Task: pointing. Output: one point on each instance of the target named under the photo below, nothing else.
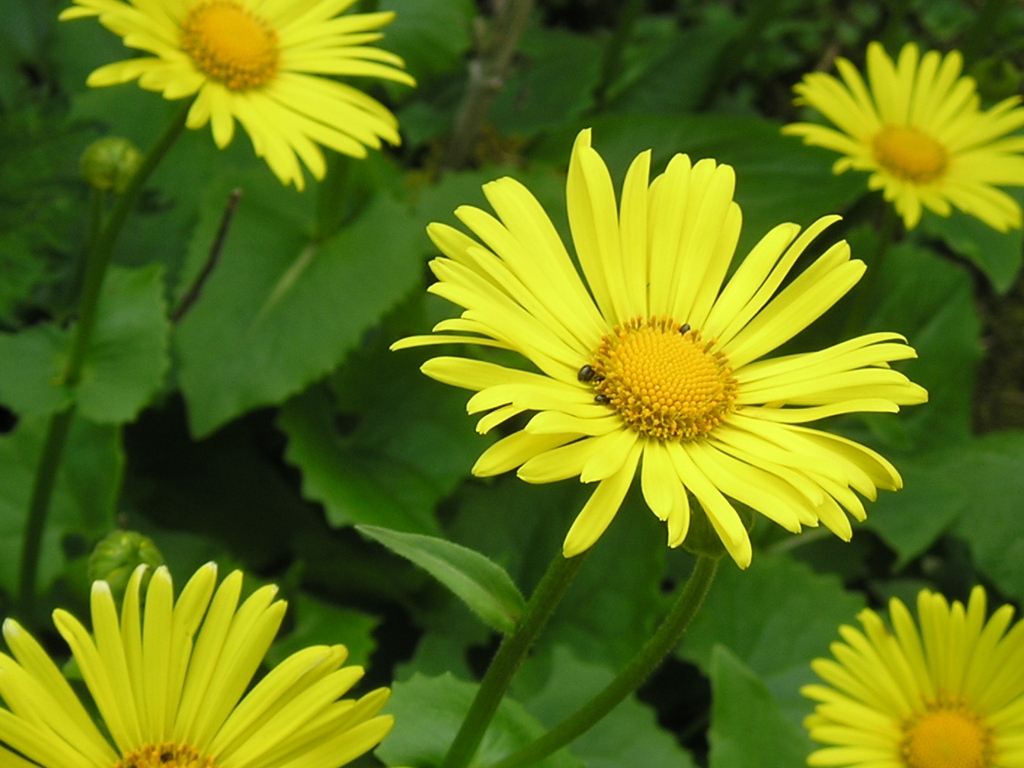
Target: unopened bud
(997, 78)
(110, 163)
(120, 553)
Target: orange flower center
(949, 736)
(230, 43)
(662, 378)
(910, 155)
(166, 755)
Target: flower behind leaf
(948, 694)
(263, 63)
(917, 127)
(652, 363)
(170, 682)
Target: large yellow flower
(920, 133)
(951, 695)
(260, 61)
(169, 681)
(651, 358)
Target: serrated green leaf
(628, 737)
(281, 309)
(123, 368)
(480, 583)
(127, 356)
(31, 363)
(997, 254)
(747, 727)
(83, 500)
(776, 617)
(778, 179)
(321, 623)
(973, 490)
(428, 712)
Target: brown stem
(487, 73)
(192, 295)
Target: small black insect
(586, 374)
(684, 328)
(602, 399)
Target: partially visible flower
(169, 681)
(918, 129)
(262, 62)
(652, 358)
(949, 694)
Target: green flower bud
(120, 553)
(110, 163)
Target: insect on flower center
(230, 43)
(949, 736)
(166, 755)
(910, 155)
(662, 378)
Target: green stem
(730, 62)
(858, 315)
(98, 256)
(509, 657)
(39, 502)
(101, 245)
(662, 643)
(612, 62)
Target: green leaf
(432, 36)
(556, 72)
(747, 727)
(668, 69)
(428, 713)
(83, 500)
(125, 364)
(33, 361)
(628, 737)
(480, 583)
(381, 443)
(320, 623)
(127, 356)
(282, 309)
(931, 301)
(776, 617)
(997, 254)
(973, 491)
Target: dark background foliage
(271, 419)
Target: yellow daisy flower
(650, 358)
(169, 681)
(262, 62)
(949, 695)
(920, 133)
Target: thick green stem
(508, 659)
(101, 245)
(662, 643)
(39, 503)
(100, 249)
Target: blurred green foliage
(269, 420)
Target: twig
(497, 43)
(192, 295)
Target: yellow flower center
(910, 155)
(230, 43)
(166, 755)
(949, 736)
(663, 379)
